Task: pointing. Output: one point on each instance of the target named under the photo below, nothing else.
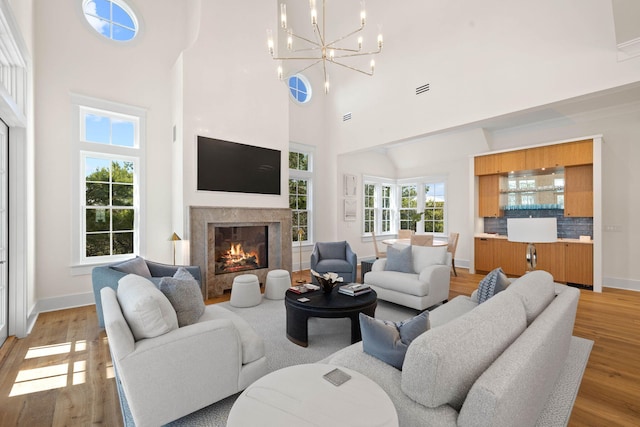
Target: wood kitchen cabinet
(551, 258)
(568, 154)
(500, 163)
(489, 196)
(511, 256)
(566, 262)
(578, 191)
(579, 263)
(484, 253)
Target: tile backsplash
(568, 227)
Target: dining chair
(405, 234)
(422, 239)
(451, 247)
(379, 253)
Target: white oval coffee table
(299, 396)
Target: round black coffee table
(331, 305)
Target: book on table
(306, 287)
(354, 289)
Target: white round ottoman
(245, 291)
(278, 281)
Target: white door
(4, 232)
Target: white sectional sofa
(424, 284)
(491, 364)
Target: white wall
(72, 58)
(481, 59)
(227, 94)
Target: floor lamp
(300, 279)
(531, 231)
(175, 238)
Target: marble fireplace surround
(203, 220)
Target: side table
(300, 396)
(365, 267)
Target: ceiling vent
(422, 89)
(346, 117)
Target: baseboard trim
(619, 283)
(64, 302)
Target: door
(4, 232)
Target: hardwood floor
(61, 374)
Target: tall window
(110, 159)
(369, 208)
(300, 193)
(434, 196)
(408, 206)
(378, 207)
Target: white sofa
(163, 378)
(425, 286)
(491, 364)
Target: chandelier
(321, 50)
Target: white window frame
(396, 190)
(308, 175)
(378, 183)
(81, 105)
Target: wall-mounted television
(238, 168)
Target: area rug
(269, 320)
(329, 335)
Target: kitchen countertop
(503, 236)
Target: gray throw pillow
(494, 282)
(388, 341)
(399, 259)
(136, 265)
(184, 295)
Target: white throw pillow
(147, 311)
(425, 256)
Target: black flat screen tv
(238, 168)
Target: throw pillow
(136, 265)
(494, 282)
(388, 341)
(399, 259)
(185, 297)
(147, 311)
(183, 274)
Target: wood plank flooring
(61, 374)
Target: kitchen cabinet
(500, 163)
(511, 256)
(551, 258)
(567, 262)
(484, 254)
(552, 156)
(578, 191)
(579, 263)
(489, 196)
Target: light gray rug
(269, 321)
(329, 335)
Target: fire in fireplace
(241, 248)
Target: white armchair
(427, 283)
(163, 378)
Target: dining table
(391, 242)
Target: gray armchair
(336, 257)
(108, 276)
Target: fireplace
(264, 233)
(241, 248)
